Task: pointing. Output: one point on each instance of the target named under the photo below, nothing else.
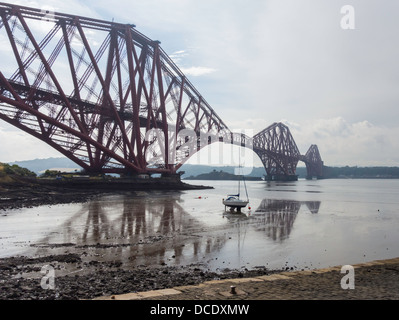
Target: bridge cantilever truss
(279, 153)
(93, 89)
(313, 162)
(110, 99)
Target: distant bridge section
(314, 164)
(278, 151)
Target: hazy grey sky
(262, 61)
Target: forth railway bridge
(111, 100)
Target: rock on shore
(21, 277)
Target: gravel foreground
(22, 278)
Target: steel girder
(99, 92)
(111, 100)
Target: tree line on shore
(7, 169)
(354, 172)
(379, 172)
(361, 172)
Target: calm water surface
(302, 224)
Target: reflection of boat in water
(234, 215)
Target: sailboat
(233, 201)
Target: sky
(330, 74)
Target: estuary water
(303, 224)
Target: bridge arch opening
(221, 154)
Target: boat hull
(235, 203)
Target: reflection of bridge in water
(153, 228)
(139, 228)
(276, 217)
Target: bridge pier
(281, 177)
(175, 177)
(310, 177)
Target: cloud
(178, 56)
(180, 59)
(340, 142)
(76, 7)
(17, 145)
(197, 71)
(344, 143)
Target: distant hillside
(329, 172)
(64, 164)
(362, 172)
(220, 175)
(195, 170)
(11, 173)
(40, 165)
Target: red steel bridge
(110, 99)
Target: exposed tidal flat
(143, 240)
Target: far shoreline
(26, 192)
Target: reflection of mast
(240, 223)
(240, 243)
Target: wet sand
(80, 273)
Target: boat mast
(241, 176)
(239, 172)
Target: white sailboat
(233, 201)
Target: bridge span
(110, 99)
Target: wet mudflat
(119, 245)
(138, 241)
(28, 196)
